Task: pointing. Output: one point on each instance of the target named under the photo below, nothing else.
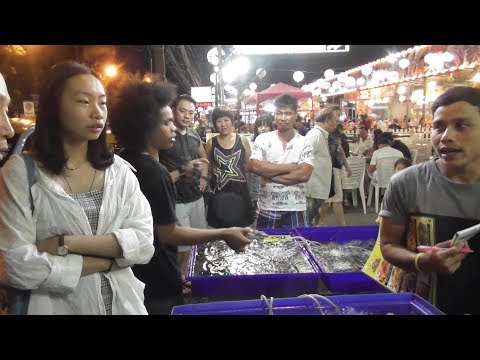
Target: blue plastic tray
(235, 287)
(338, 234)
(306, 254)
(372, 304)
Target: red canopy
(273, 91)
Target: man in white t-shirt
(319, 187)
(284, 160)
(366, 142)
(384, 150)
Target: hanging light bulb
(367, 70)
(329, 74)
(212, 56)
(298, 76)
(402, 90)
(213, 78)
(404, 63)
(261, 73)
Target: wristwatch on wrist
(62, 249)
(204, 178)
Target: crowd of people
(88, 231)
(373, 122)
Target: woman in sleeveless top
(229, 156)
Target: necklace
(70, 168)
(91, 185)
(73, 167)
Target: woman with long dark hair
(71, 237)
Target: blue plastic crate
(340, 234)
(350, 283)
(285, 231)
(337, 234)
(372, 304)
(285, 285)
(244, 286)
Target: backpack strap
(31, 175)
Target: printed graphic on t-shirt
(228, 168)
(275, 196)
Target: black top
(185, 148)
(334, 143)
(459, 293)
(345, 145)
(161, 275)
(394, 126)
(397, 144)
(302, 130)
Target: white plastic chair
(424, 150)
(384, 170)
(353, 147)
(354, 182)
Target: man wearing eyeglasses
(284, 160)
(189, 208)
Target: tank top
(229, 176)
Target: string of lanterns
(389, 72)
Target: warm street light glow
(111, 70)
(17, 50)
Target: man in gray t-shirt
(443, 196)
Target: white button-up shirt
(364, 145)
(56, 282)
(318, 186)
